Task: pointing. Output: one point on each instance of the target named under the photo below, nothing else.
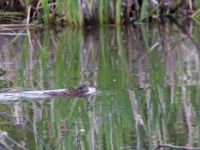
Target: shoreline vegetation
(34, 13)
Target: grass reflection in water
(146, 93)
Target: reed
(118, 12)
(45, 7)
(72, 12)
(143, 9)
(103, 11)
(78, 13)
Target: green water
(147, 79)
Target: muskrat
(73, 91)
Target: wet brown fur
(77, 91)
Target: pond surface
(147, 79)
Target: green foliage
(77, 12)
(196, 35)
(13, 17)
(103, 12)
(143, 10)
(72, 12)
(118, 12)
(196, 4)
(45, 6)
(196, 16)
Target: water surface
(147, 79)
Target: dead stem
(174, 146)
(4, 136)
(7, 27)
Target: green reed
(13, 17)
(72, 12)
(197, 4)
(45, 6)
(118, 12)
(143, 9)
(103, 13)
(77, 12)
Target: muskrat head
(83, 88)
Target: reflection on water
(147, 81)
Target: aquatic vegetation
(196, 16)
(89, 12)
